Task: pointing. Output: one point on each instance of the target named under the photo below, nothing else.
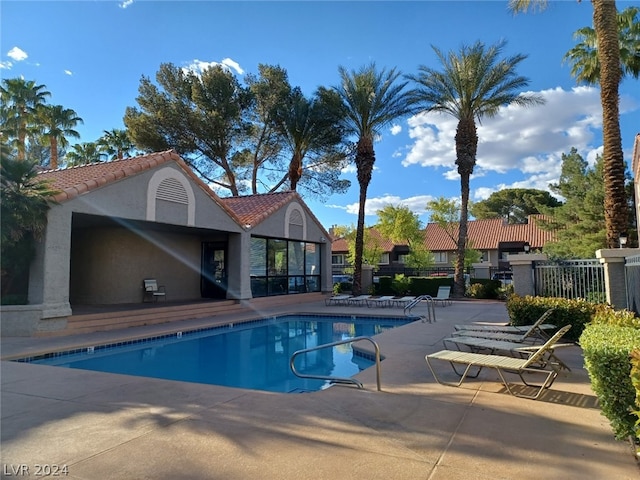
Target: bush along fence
(610, 342)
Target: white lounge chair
(152, 291)
(443, 296)
(358, 300)
(502, 364)
(402, 301)
(337, 300)
(513, 333)
(384, 301)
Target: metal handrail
(344, 380)
(431, 310)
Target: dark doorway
(213, 280)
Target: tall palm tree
(83, 154)
(307, 127)
(116, 143)
(474, 84)
(369, 100)
(20, 101)
(605, 24)
(58, 123)
(585, 66)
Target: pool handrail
(344, 380)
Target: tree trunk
(365, 158)
(53, 163)
(615, 202)
(466, 148)
(295, 170)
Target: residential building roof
(483, 235)
(246, 210)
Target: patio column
(522, 268)
(239, 280)
(614, 275)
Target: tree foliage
(23, 214)
(474, 83)
(402, 226)
(239, 138)
(513, 205)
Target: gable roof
(254, 209)
(245, 210)
(341, 244)
(483, 235)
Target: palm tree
(473, 85)
(116, 143)
(605, 23)
(307, 127)
(585, 66)
(58, 123)
(83, 154)
(24, 206)
(369, 100)
(20, 100)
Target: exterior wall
(108, 265)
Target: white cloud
(529, 140)
(6, 65)
(16, 54)
(416, 204)
(125, 4)
(395, 129)
(198, 66)
(68, 72)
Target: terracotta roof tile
(483, 235)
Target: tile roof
(253, 209)
(341, 244)
(246, 210)
(483, 235)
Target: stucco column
(522, 268)
(326, 283)
(239, 276)
(614, 275)
(49, 274)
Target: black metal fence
(632, 276)
(570, 279)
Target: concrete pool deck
(106, 426)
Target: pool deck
(106, 426)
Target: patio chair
(152, 291)
(402, 301)
(502, 364)
(358, 300)
(515, 349)
(384, 301)
(337, 300)
(514, 333)
(443, 296)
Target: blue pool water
(251, 355)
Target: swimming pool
(251, 355)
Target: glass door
(213, 278)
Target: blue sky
(92, 54)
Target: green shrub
(484, 288)
(635, 381)
(401, 285)
(428, 285)
(384, 286)
(606, 349)
(526, 310)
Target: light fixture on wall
(323, 240)
(527, 247)
(247, 226)
(623, 239)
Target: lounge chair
(384, 301)
(402, 301)
(490, 346)
(337, 300)
(502, 364)
(359, 300)
(443, 296)
(513, 333)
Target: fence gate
(570, 279)
(632, 276)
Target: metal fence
(632, 276)
(570, 279)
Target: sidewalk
(104, 426)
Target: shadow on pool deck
(104, 426)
